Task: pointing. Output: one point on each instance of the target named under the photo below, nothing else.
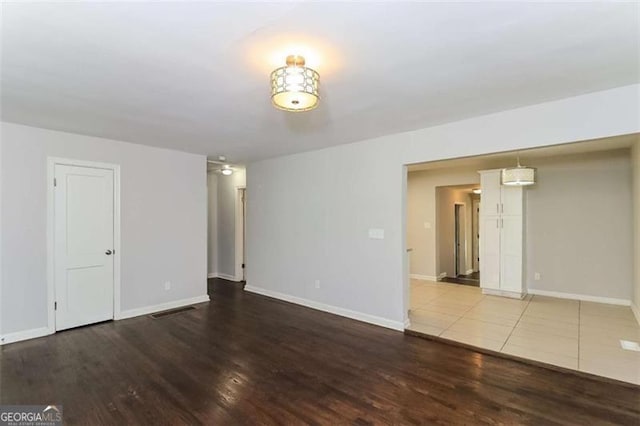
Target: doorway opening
(241, 223)
(541, 297)
(226, 233)
(454, 235)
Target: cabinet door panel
(511, 200)
(511, 253)
(490, 185)
(490, 252)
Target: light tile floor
(584, 336)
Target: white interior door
(83, 245)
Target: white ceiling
(195, 76)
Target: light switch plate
(376, 234)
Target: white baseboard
(503, 293)
(582, 297)
(371, 319)
(223, 276)
(423, 277)
(25, 335)
(45, 331)
(441, 276)
(407, 323)
(227, 277)
(636, 311)
(161, 307)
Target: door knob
(108, 252)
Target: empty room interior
(319, 213)
(541, 271)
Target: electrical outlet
(536, 276)
(317, 283)
(167, 285)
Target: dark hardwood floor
(247, 359)
(472, 279)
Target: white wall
(163, 221)
(635, 154)
(212, 223)
(310, 213)
(227, 203)
(578, 225)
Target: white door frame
(405, 280)
(51, 291)
(2, 339)
(239, 227)
(475, 233)
(457, 259)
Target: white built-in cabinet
(501, 236)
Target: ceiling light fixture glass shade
(477, 191)
(294, 87)
(519, 175)
(226, 170)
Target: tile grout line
(446, 291)
(461, 316)
(425, 303)
(450, 290)
(467, 309)
(516, 324)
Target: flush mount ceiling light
(477, 191)
(294, 87)
(519, 175)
